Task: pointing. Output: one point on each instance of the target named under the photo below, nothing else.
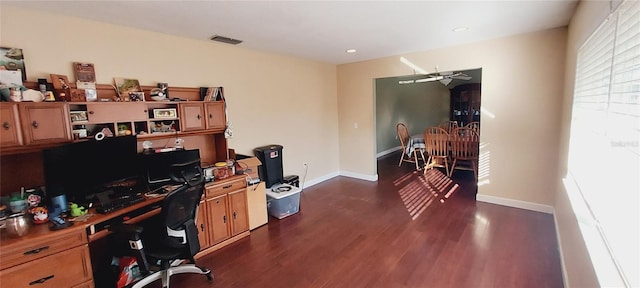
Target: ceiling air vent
(226, 40)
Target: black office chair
(168, 240)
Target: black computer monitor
(157, 166)
(82, 169)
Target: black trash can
(271, 169)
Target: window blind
(604, 152)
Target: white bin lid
(280, 191)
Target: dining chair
(465, 146)
(410, 149)
(475, 126)
(436, 140)
(449, 125)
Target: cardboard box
(249, 165)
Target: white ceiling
(323, 30)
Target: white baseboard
(565, 280)
(314, 181)
(317, 180)
(359, 176)
(388, 151)
(515, 203)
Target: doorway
(423, 103)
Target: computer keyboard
(119, 203)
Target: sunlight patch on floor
(418, 193)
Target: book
(85, 72)
(209, 96)
(213, 94)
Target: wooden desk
(58, 258)
(62, 258)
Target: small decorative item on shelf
(136, 96)
(165, 113)
(161, 93)
(163, 127)
(79, 116)
(123, 129)
(124, 86)
(13, 59)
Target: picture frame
(165, 113)
(78, 95)
(79, 116)
(13, 59)
(61, 87)
(124, 86)
(60, 82)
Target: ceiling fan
(444, 77)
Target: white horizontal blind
(604, 156)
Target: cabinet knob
(235, 216)
(198, 116)
(202, 227)
(34, 124)
(145, 111)
(210, 116)
(5, 125)
(91, 112)
(224, 218)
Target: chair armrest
(126, 229)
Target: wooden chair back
(465, 147)
(449, 126)
(403, 135)
(465, 144)
(475, 126)
(436, 140)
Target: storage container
(284, 203)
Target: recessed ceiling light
(460, 29)
(351, 50)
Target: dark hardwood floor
(401, 231)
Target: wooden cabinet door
(215, 115)
(45, 122)
(10, 134)
(218, 219)
(238, 212)
(202, 225)
(117, 112)
(192, 116)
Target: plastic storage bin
(283, 204)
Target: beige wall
(522, 86)
(273, 99)
(418, 105)
(577, 264)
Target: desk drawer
(226, 187)
(30, 250)
(65, 269)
